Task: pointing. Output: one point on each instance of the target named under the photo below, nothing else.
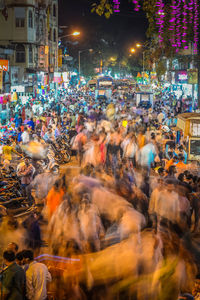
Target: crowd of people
(121, 221)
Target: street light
(132, 50)
(79, 59)
(75, 33)
(138, 45)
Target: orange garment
(53, 200)
(169, 163)
(141, 141)
(181, 165)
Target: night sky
(121, 31)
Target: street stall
(189, 124)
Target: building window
(19, 16)
(20, 54)
(54, 35)
(30, 54)
(54, 10)
(30, 19)
(20, 22)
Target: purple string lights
(172, 22)
(116, 7)
(137, 5)
(196, 25)
(184, 34)
(178, 25)
(160, 19)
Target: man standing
(25, 136)
(25, 172)
(37, 277)
(13, 281)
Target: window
(54, 10)
(19, 22)
(54, 35)
(19, 16)
(30, 54)
(30, 19)
(20, 54)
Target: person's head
(161, 171)
(26, 161)
(181, 177)
(25, 129)
(13, 247)
(28, 256)
(172, 170)
(9, 257)
(180, 157)
(19, 258)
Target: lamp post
(79, 59)
(132, 50)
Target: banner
(59, 58)
(193, 76)
(1, 79)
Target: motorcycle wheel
(66, 157)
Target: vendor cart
(189, 124)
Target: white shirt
(37, 277)
(25, 137)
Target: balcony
(11, 3)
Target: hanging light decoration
(178, 26)
(191, 9)
(116, 6)
(137, 5)
(196, 26)
(160, 19)
(172, 22)
(185, 27)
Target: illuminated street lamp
(132, 50)
(75, 33)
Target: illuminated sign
(3, 65)
(181, 77)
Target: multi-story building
(29, 38)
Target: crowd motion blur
(120, 221)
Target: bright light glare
(76, 33)
(138, 45)
(132, 50)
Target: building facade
(29, 38)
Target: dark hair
(181, 177)
(9, 255)
(19, 256)
(28, 254)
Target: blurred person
(25, 136)
(33, 232)
(13, 247)
(25, 173)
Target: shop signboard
(57, 77)
(181, 77)
(193, 76)
(59, 58)
(4, 65)
(1, 79)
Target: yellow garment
(7, 152)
